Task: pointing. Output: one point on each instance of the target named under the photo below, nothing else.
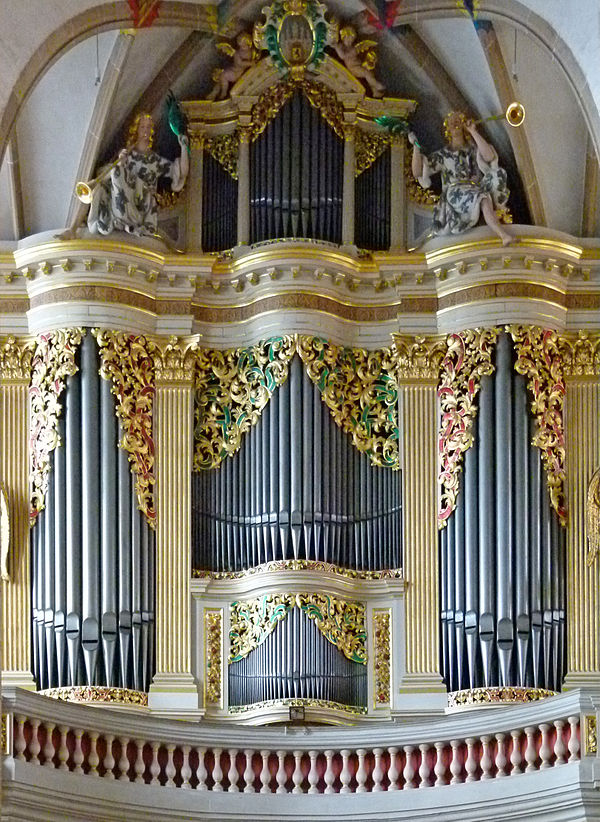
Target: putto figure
(473, 183)
(359, 58)
(244, 56)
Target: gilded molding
(268, 704)
(174, 361)
(253, 620)
(418, 358)
(539, 358)
(232, 388)
(98, 693)
(53, 361)
(16, 357)
(342, 622)
(225, 149)
(468, 358)
(593, 517)
(359, 388)
(473, 697)
(580, 355)
(128, 362)
(382, 653)
(319, 96)
(590, 735)
(300, 565)
(213, 644)
(369, 147)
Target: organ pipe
(372, 224)
(219, 206)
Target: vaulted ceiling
(76, 112)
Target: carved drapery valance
(225, 149)
(340, 621)
(128, 362)
(318, 95)
(360, 389)
(468, 358)
(539, 359)
(53, 362)
(232, 388)
(368, 148)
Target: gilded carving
(496, 696)
(593, 517)
(359, 388)
(98, 693)
(252, 622)
(318, 95)
(300, 565)
(298, 703)
(421, 196)
(128, 362)
(340, 621)
(369, 147)
(174, 361)
(52, 363)
(580, 355)
(15, 359)
(232, 388)
(590, 735)
(418, 358)
(225, 149)
(382, 645)
(539, 358)
(213, 640)
(468, 358)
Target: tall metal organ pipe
(503, 551)
(372, 220)
(92, 550)
(296, 489)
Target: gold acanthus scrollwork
(213, 632)
(359, 387)
(16, 357)
(593, 517)
(52, 363)
(368, 148)
(318, 95)
(127, 361)
(232, 388)
(418, 358)
(225, 149)
(421, 196)
(468, 358)
(539, 359)
(252, 621)
(590, 735)
(382, 656)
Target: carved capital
(418, 358)
(15, 359)
(175, 361)
(580, 355)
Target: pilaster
(397, 195)
(194, 206)
(243, 221)
(348, 197)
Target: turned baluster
(34, 745)
(233, 773)
(109, 760)
(170, 770)
(63, 750)
(78, 752)
(486, 759)
(545, 749)
(20, 743)
(424, 769)
(139, 765)
(217, 773)
(265, 774)
(455, 763)
(345, 775)
(202, 772)
(439, 768)
(409, 769)
(501, 760)
(393, 772)
(361, 771)
(281, 776)
(186, 771)
(123, 763)
(515, 755)
(313, 774)
(297, 776)
(531, 754)
(471, 762)
(573, 740)
(93, 758)
(377, 770)
(248, 772)
(560, 749)
(329, 772)
(155, 765)
(48, 750)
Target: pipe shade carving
(468, 358)
(539, 359)
(53, 362)
(360, 389)
(127, 361)
(252, 622)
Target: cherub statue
(244, 56)
(359, 58)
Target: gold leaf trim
(232, 388)
(52, 363)
(590, 735)
(225, 149)
(496, 696)
(318, 95)
(98, 693)
(174, 361)
(341, 621)
(358, 710)
(368, 148)
(580, 355)
(213, 638)
(16, 357)
(418, 358)
(539, 358)
(360, 389)
(128, 362)
(252, 621)
(468, 358)
(300, 565)
(382, 644)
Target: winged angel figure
(243, 56)
(359, 58)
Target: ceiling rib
(518, 137)
(14, 183)
(591, 192)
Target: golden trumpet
(84, 189)
(514, 115)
